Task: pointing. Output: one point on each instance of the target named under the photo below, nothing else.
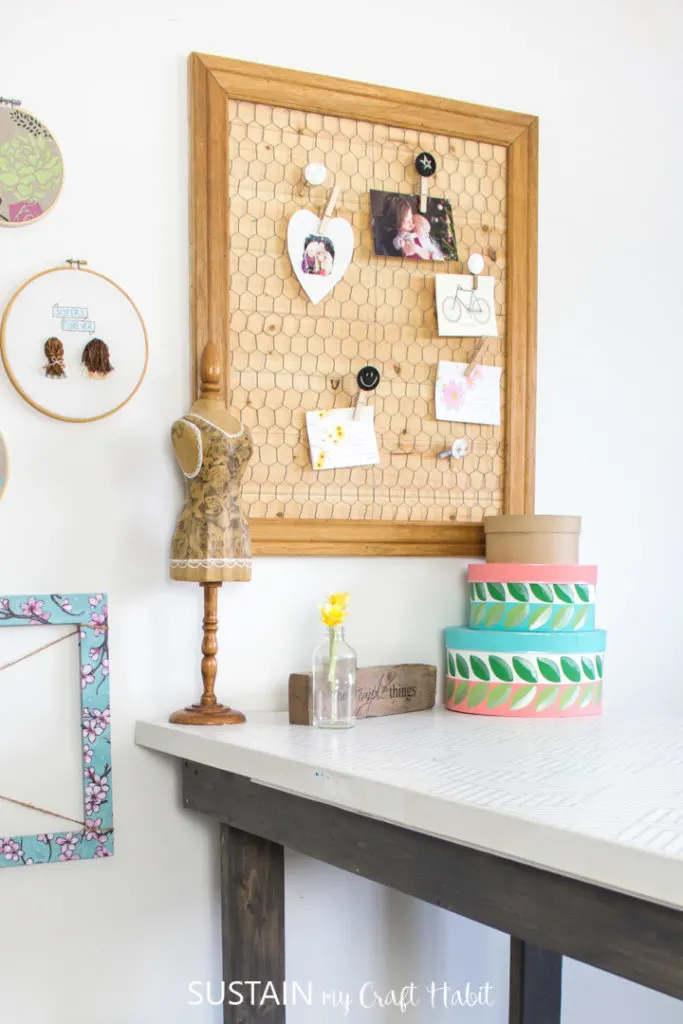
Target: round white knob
(456, 451)
(475, 263)
(315, 174)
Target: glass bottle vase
(334, 682)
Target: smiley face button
(368, 378)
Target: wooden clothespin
(368, 378)
(475, 265)
(425, 165)
(329, 209)
(475, 356)
(361, 402)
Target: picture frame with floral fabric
(88, 614)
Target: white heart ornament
(319, 260)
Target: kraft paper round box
(532, 539)
(529, 598)
(516, 674)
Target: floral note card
(339, 441)
(473, 399)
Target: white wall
(94, 506)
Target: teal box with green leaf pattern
(532, 598)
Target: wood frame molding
(214, 80)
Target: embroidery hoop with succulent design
(31, 168)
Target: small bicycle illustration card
(464, 311)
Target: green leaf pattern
(524, 669)
(547, 697)
(523, 697)
(540, 617)
(498, 695)
(527, 668)
(549, 669)
(500, 668)
(494, 615)
(477, 695)
(488, 696)
(542, 592)
(516, 616)
(562, 617)
(518, 592)
(532, 606)
(460, 693)
(529, 617)
(522, 593)
(478, 614)
(479, 668)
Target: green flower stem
(334, 645)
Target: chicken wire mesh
(288, 357)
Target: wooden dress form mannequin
(211, 541)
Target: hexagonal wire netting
(288, 357)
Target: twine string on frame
(24, 803)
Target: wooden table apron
(547, 915)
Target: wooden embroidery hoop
(78, 267)
(5, 459)
(16, 105)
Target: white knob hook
(457, 450)
(315, 174)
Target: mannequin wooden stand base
(209, 711)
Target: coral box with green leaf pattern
(532, 598)
(513, 674)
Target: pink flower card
(473, 399)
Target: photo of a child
(399, 229)
(318, 257)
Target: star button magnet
(425, 165)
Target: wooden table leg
(253, 915)
(535, 984)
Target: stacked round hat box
(531, 648)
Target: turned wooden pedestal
(209, 711)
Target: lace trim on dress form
(210, 424)
(211, 563)
(200, 456)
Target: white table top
(600, 799)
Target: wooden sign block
(383, 690)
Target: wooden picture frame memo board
(255, 127)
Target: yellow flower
(335, 611)
(332, 616)
(320, 461)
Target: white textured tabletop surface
(599, 799)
